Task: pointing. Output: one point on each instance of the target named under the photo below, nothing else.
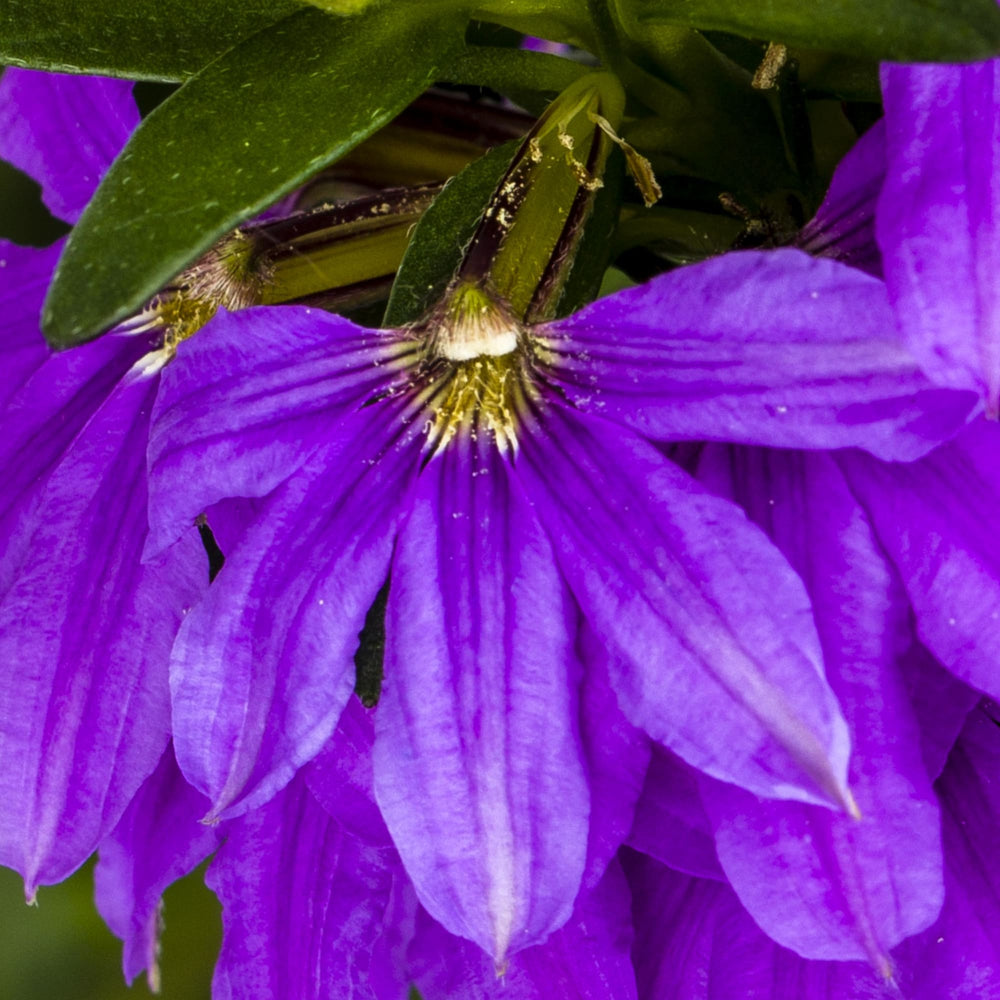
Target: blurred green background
(61, 950)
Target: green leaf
(441, 236)
(901, 30)
(249, 128)
(138, 39)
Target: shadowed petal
(713, 650)
(248, 401)
(773, 348)
(939, 521)
(478, 764)
(844, 225)
(64, 131)
(341, 777)
(830, 886)
(587, 959)
(616, 754)
(24, 276)
(86, 629)
(263, 666)
(938, 219)
(303, 904)
(158, 841)
(670, 821)
(695, 942)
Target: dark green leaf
(249, 128)
(441, 236)
(139, 39)
(902, 30)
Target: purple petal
(830, 886)
(478, 767)
(55, 397)
(64, 131)
(939, 520)
(939, 219)
(248, 400)
(25, 274)
(713, 650)
(941, 703)
(772, 348)
(844, 226)
(303, 904)
(695, 942)
(341, 778)
(959, 957)
(588, 959)
(616, 755)
(86, 629)
(263, 667)
(158, 841)
(670, 821)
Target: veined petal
(157, 841)
(56, 396)
(939, 520)
(712, 645)
(249, 399)
(938, 219)
(64, 131)
(303, 904)
(844, 225)
(263, 667)
(85, 631)
(830, 886)
(478, 764)
(670, 822)
(587, 959)
(774, 348)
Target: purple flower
(85, 627)
(500, 479)
(694, 941)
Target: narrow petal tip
(850, 804)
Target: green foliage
(247, 129)
(139, 39)
(903, 30)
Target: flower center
(477, 369)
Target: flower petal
(587, 959)
(695, 942)
(830, 886)
(939, 219)
(670, 821)
(478, 764)
(86, 630)
(939, 520)
(263, 667)
(341, 777)
(64, 131)
(844, 225)
(616, 754)
(774, 348)
(303, 904)
(56, 396)
(249, 399)
(713, 650)
(158, 841)
(26, 273)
